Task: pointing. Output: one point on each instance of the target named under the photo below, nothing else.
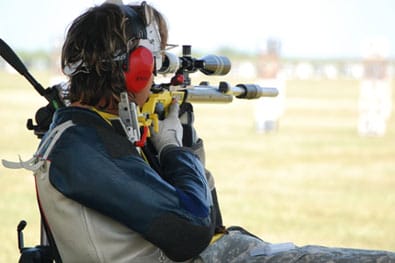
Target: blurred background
(312, 166)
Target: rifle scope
(208, 65)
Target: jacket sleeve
(172, 211)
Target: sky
(305, 28)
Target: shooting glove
(170, 130)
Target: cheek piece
(139, 69)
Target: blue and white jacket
(104, 203)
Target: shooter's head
(113, 48)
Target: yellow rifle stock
(157, 107)
(158, 103)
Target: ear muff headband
(135, 25)
(139, 69)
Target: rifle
(180, 87)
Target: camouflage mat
(238, 247)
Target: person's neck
(107, 110)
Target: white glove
(170, 130)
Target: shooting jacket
(104, 203)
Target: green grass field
(315, 181)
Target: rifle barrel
(253, 91)
(207, 94)
(210, 94)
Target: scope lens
(170, 64)
(215, 65)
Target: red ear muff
(140, 66)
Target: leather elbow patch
(178, 238)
